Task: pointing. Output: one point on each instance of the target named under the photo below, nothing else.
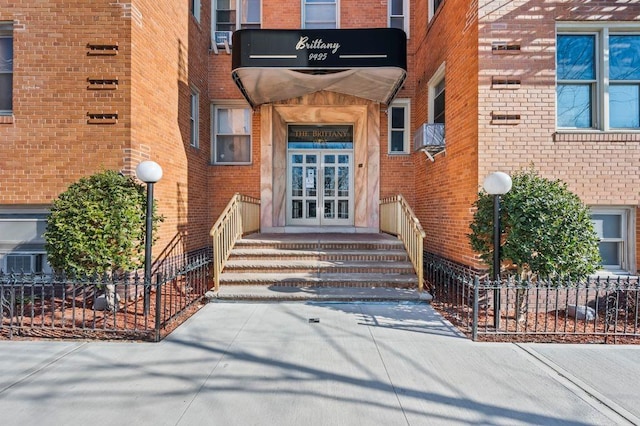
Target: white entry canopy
(274, 65)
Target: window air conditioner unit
(223, 37)
(429, 138)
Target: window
(231, 15)
(26, 262)
(232, 135)
(433, 7)
(194, 129)
(438, 102)
(194, 7)
(399, 121)
(398, 14)
(319, 14)
(21, 241)
(612, 227)
(6, 68)
(437, 96)
(598, 79)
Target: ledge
(596, 136)
(6, 119)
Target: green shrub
(98, 225)
(546, 229)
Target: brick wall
(446, 188)
(48, 144)
(601, 168)
(169, 61)
(363, 14)
(597, 167)
(161, 53)
(277, 16)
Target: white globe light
(149, 172)
(497, 183)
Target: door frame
(320, 220)
(320, 108)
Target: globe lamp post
(496, 184)
(148, 172)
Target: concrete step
(319, 261)
(319, 266)
(275, 293)
(320, 242)
(347, 255)
(320, 279)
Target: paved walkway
(317, 364)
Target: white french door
(320, 187)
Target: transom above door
(320, 176)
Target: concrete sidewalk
(317, 364)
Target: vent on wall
(102, 118)
(501, 118)
(102, 49)
(102, 83)
(503, 47)
(505, 83)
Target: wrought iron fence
(592, 310)
(109, 307)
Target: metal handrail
(397, 218)
(240, 217)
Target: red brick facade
(161, 53)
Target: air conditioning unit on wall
(223, 37)
(429, 138)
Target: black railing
(110, 306)
(592, 310)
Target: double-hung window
(320, 14)
(231, 135)
(598, 78)
(399, 121)
(231, 15)
(6, 68)
(194, 119)
(398, 14)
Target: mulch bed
(74, 317)
(543, 327)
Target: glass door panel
(330, 204)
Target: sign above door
(274, 65)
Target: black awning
(274, 65)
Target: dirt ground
(544, 327)
(75, 317)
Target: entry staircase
(330, 260)
(391, 259)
